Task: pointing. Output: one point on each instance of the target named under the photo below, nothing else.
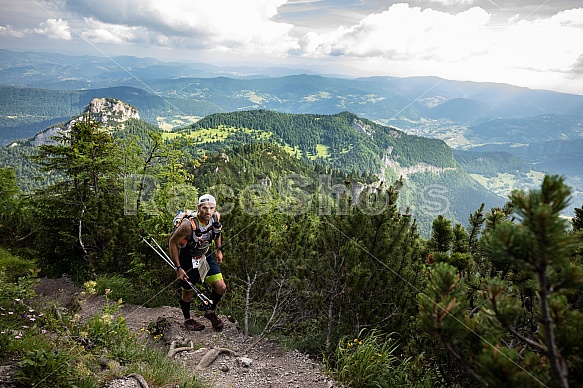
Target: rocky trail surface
(225, 359)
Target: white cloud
(403, 32)
(542, 44)
(9, 31)
(453, 2)
(54, 29)
(239, 26)
(99, 32)
(501, 46)
(578, 66)
(467, 44)
(243, 27)
(514, 18)
(570, 18)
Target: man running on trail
(189, 248)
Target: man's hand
(181, 274)
(219, 257)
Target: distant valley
(541, 128)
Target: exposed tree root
(139, 379)
(173, 349)
(211, 356)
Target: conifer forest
(321, 253)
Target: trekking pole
(167, 258)
(160, 252)
(207, 303)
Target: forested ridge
(363, 148)
(323, 259)
(348, 138)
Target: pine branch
(540, 347)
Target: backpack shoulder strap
(194, 221)
(193, 224)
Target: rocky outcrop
(359, 126)
(419, 168)
(109, 112)
(46, 136)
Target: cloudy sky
(533, 43)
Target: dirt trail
(220, 359)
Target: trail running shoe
(191, 324)
(216, 321)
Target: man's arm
(180, 234)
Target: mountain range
(39, 89)
(343, 144)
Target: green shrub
(47, 368)
(29, 333)
(14, 267)
(107, 329)
(5, 341)
(118, 286)
(130, 292)
(368, 361)
(17, 317)
(461, 261)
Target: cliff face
(109, 112)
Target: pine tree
(577, 221)
(460, 243)
(373, 261)
(441, 235)
(540, 245)
(85, 209)
(15, 225)
(524, 324)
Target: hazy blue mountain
(462, 110)
(26, 111)
(66, 72)
(528, 129)
(542, 152)
(491, 163)
(171, 98)
(286, 89)
(509, 100)
(563, 157)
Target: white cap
(207, 198)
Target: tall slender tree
(80, 217)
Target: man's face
(205, 211)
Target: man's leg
(219, 289)
(185, 302)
